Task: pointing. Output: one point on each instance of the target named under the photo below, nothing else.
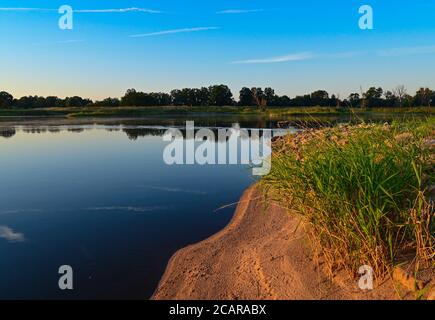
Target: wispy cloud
(239, 11)
(122, 10)
(25, 9)
(303, 56)
(290, 57)
(406, 51)
(129, 209)
(176, 190)
(173, 31)
(391, 52)
(119, 10)
(16, 211)
(10, 235)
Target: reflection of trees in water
(7, 132)
(135, 129)
(113, 129)
(134, 133)
(34, 130)
(76, 130)
(54, 130)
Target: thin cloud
(406, 51)
(290, 57)
(303, 56)
(122, 10)
(391, 52)
(129, 209)
(16, 211)
(177, 190)
(239, 11)
(25, 9)
(173, 31)
(10, 235)
(119, 10)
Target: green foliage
(221, 95)
(356, 187)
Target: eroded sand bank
(262, 254)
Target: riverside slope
(263, 254)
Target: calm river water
(100, 198)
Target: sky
(295, 47)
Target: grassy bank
(364, 190)
(76, 112)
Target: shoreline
(254, 258)
(180, 111)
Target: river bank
(93, 111)
(263, 254)
(333, 201)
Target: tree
(220, 95)
(129, 98)
(423, 97)
(373, 97)
(202, 96)
(108, 102)
(319, 98)
(259, 97)
(77, 101)
(270, 96)
(6, 100)
(190, 97)
(302, 101)
(246, 98)
(283, 101)
(400, 93)
(53, 101)
(354, 100)
(335, 101)
(390, 99)
(27, 102)
(137, 98)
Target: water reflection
(6, 132)
(89, 197)
(97, 195)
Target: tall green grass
(362, 191)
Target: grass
(362, 189)
(76, 112)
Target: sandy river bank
(262, 254)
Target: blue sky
(292, 46)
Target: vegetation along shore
(220, 99)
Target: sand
(263, 254)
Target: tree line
(221, 95)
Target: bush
(361, 189)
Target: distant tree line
(221, 95)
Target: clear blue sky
(292, 46)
